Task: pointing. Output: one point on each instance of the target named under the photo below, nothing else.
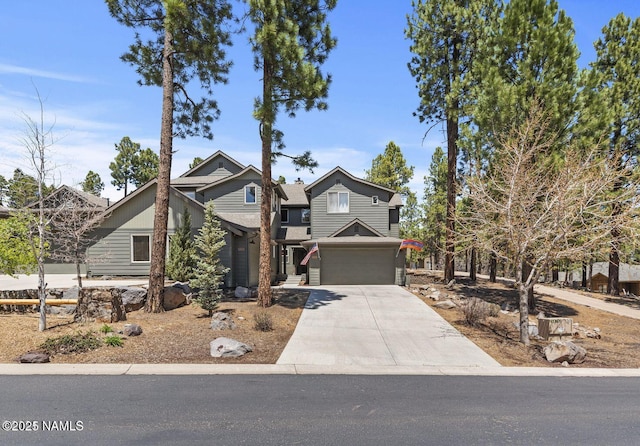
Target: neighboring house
(629, 277)
(64, 206)
(354, 223)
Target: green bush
(114, 341)
(76, 343)
(106, 329)
(262, 321)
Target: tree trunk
(555, 276)
(161, 216)
(524, 291)
(493, 267)
(584, 275)
(473, 267)
(452, 164)
(266, 136)
(526, 271)
(78, 272)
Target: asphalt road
(318, 410)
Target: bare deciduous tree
(73, 220)
(37, 140)
(531, 210)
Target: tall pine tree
(291, 41)
(182, 252)
(188, 44)
(618, 75)
(447, 39)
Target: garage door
(357, 266)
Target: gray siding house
(353, 222)
(123, 245)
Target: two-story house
(123, 244)
(355, 225)
(353, 222)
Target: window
(284, 215)
(250, 194)
(140, 248)
(337, 202)
(306, 216)
(374, 200)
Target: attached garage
(357, 261)
(357, 266)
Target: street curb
(301, 369)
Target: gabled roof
(194, 169)
(341, 170)
(149, 184)
(353, 222)
(296, 195)
(293, 234)
(249, 168)
(86, 198)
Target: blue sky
(70, 51)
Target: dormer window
(250, 194)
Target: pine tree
(145, 167)
(616, 68)
(435, 206)
(447, 38)
(390, 170)
(291, 41)
(209, 271)
(188, 43)
(92, 184)
(181, 263)
(123, 164)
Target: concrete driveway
(376, 325)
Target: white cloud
(15, 69)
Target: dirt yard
(183, 335)
(178, 336)
(618, 346)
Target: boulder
(445, 304)
(222, 321)
(174, 297)
(243, 293)
(184, 286)
(133, 298)
(71, 293)
(99, 304)
(560, 351)
(34, 358)
(228, 348)
(132, 330)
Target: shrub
(114, 341)
(262, 321)
(76, 343)
(475, 311)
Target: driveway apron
(377, 325)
